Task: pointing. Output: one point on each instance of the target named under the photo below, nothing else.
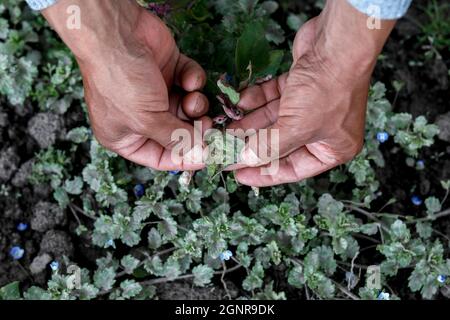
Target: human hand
(319, 107)
(130, 66)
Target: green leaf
(252, 50)
(270, 6)
(78, 135)
(295, 21)
(130, 289)
(88, 292)
(61, 196)
(275, 60)
(445, 185)
(36, 293)
(202, 275)
(10, 291)
(254, 280)
(104, 279)
(369, 229)
(400, 231)
(129, 263)
(154, 239)
(296, 278)
(74, 187)
(230, 92)
(424, 229)
(274, 252)
(328, 206)
(433, 205)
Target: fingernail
(197, 82)
(249, 157)
(197, 106)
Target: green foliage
(51, 79)
(313, 231)
(10, 291)
(437, 29)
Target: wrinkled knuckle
(105, 143)
(354, 150)
(270, 115)
(142, 123)
(288, 123)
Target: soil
(23, 132)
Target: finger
(276, 142)
(169, 131)
(175, 106)
(163, 127)
(259, 119)
(259, 95)
(189, 75)
(192, 156)
(195, 105)
(207, 123)
(298, 166)
(149, 153)
(153, 155)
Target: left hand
(318, 108)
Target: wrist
(103, 27)
(349, 37)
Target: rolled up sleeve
(40, 4)
(382, 9)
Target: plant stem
(165, 279)
(369, 215)
(436, 216)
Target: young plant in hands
(130, 65)
(319, 107)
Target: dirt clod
(186, 291)
(40, 263)
(57, 243)
(9, 161)
(45, 128)
(46, 216)
(443, 122)
(21, 177)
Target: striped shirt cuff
(40, 4)
(382, 9)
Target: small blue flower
(226, 255)
(229, 78)
(382, 137)
(139, 190)
(442, 278)
(174, 172)
(54, 265)
(384, 296)
(22, 226)
(420, 164)
(110, 243)
(416, 200)
(16, 252)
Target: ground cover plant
(79, 222)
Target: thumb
(272, 143)
(177, 135)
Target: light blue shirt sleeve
(40, 4)
(382, 9)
